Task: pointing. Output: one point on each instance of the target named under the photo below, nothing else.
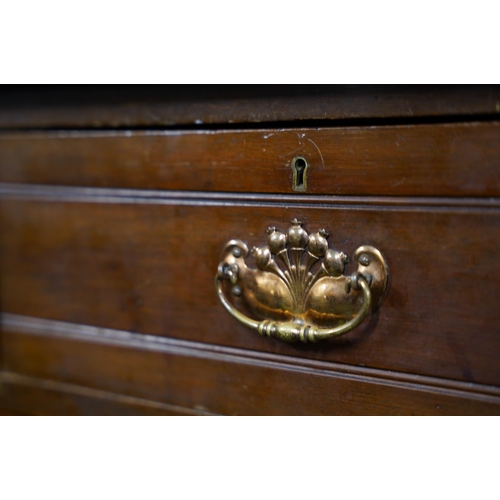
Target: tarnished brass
(299, 167)
(298, 288)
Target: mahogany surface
(217, 382)
(422, 160)
(110, 240)
(149, 268)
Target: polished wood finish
(149, 268)
(115, 207)
(424, 160)
(30, 395)
(231, 384)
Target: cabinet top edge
(213, 105)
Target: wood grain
(98, 335)
(198, 105)
(50, 193)
(116, 234)
(34, 396)
(150, 268)
(439, 160)
(218, 384)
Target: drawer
(110, 244)
(106, 375)
(421, 160)
(147, 265)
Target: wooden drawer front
(423, 160)
(149, 268)
(176, 379)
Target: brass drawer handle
(299, 285)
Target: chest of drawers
(113, 225)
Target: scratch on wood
(152, 115)
(316, 146)
(397, 183)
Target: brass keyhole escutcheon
(299, 168)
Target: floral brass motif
(298, 289)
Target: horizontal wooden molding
(60, 329)
(199, 105)
(16, 382)
(39, 192)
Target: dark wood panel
(163, 105)
(439, 160)
(10, 413)
(150, 268)
(229, 386)
(63, 330)
(32, 396)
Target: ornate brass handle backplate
(299, 288)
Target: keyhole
(299, 169)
